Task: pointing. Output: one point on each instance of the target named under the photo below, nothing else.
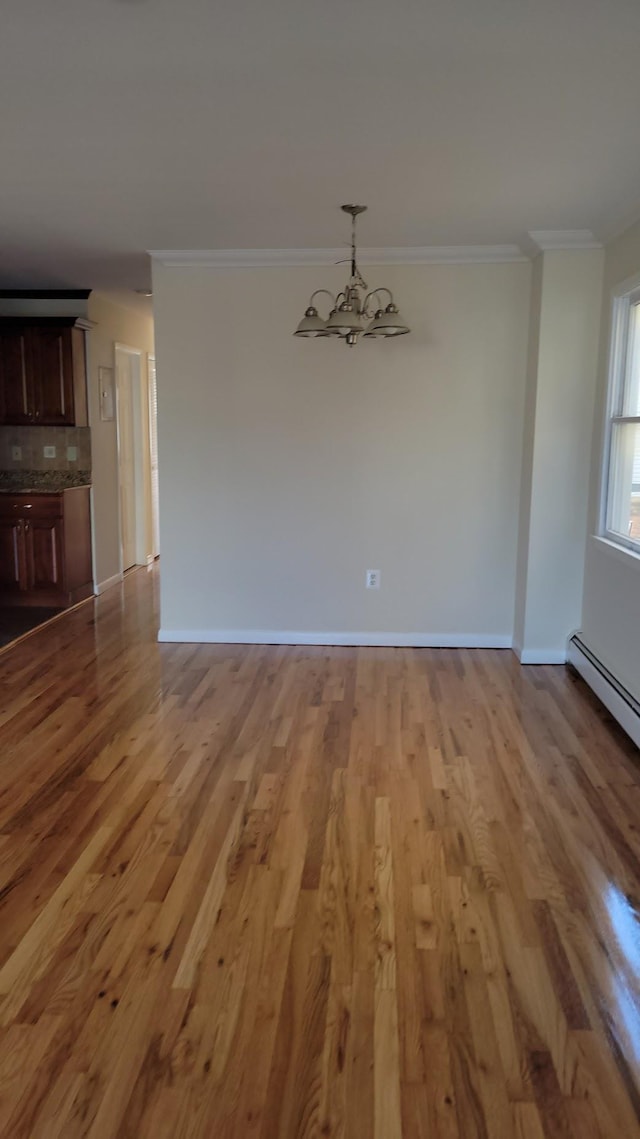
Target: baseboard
(103, 586)
(540, 656)
(623, 706)
(359, 639)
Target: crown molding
(291, 258)
(546, 240)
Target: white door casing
(130, 456)
(153, 456)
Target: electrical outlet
(49, 452)
(72, 454)
(373, 579)
(16, 454)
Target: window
(622, 468)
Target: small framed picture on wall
(107, 393)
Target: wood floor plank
(271, 892)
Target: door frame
(154, 497)
(141, 475)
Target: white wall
(114, 323)
(288, 467)
(558, 428)
(611, 607)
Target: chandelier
(351, 314)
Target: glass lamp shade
(387, 322)
(373, 329)
(346, 320)
(340, 320)
(311, 324)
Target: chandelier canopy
(353, 314)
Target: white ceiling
(128, 125)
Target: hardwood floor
(277, 892)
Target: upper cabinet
(14, 377)
(43, 373)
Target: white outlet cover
(372, 580)
(49, 452)
(72, 454)
(16, 453)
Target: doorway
(131, 456)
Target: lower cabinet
(45, 548)
(13, 553)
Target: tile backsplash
(32, 442)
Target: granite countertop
(42, 482)
(42, 489)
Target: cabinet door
(12, 555)
(44, 551)
(51, 365)
(15, 378)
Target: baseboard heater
(623, 706)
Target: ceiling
(128, 125)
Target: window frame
(625, 296)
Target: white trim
(542, 656)
(617, 338)
(103, 586)
(567, 239)
(137, 427)
(402, 255)
(153, 538)
(629, 555)
(621, 711)
(289, 637)
(629, 545)
(623, 296)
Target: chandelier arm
(380, 289)
(366, 302)
(317, 293)
(373, 293)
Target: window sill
(622, 553)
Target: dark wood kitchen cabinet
(45, 548)
(12, 557)
(43, 372)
